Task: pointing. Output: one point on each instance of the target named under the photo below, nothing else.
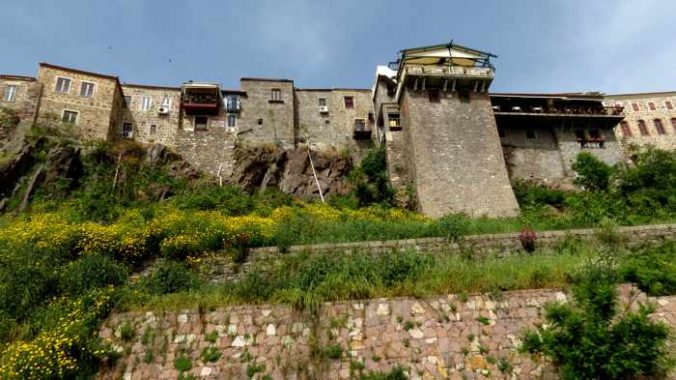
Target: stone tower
(435, 115)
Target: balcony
(450, 71)
(201, 99)
(558, 111)
(362, 131)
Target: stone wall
(207, 150)
(661, 111)
(570, 148)
(25, 106)
(165, 126)
(333, 129)
(443, 337)
(457, 160)
(96, 114)
(264, 120)
(220, 268)
(535, 158)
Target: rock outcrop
(262, 167)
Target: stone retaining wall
(221, 268)
(444, 337)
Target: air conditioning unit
(323, 109)
(127, 134)
(163, 110)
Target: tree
(589, 339)
(593, 174)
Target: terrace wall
(443, 337)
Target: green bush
(593, 174)
(169, 276)
(397, 373)
(589, 339)
(89, 272)
(370, 180)
(653, 269)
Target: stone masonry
(442, 337)
(456, 160)
(448, 149)
(647, 107)
(97, 115)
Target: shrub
(126, 331)
(89, 272)
(210, 354)
(652, 269)
(593, 174)
(397, 373)
(169, 277)
(590, 340)
(182, 364)
(333, 351)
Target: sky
(618, 46)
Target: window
(434, 96)
(322, 102)
(146, 103)
(201, 123)
(260, 121)
(127, 101)
(673, 123)
(642, 127)
(634, 106)
(463, 96)
(626, 131)
(127, 129)
(276, 95)
(530, 134)
(153, 129)
(349, 101)
(669, 105)
(659, 127)
(69, 117)
(166, 102)
(87, 89)
(394, 120)
(232, 121)
(62, 85)
(232, 103)
(10, 93)
(360, 125)
(651, 105)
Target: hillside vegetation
(66, 260)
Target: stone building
(446, 140)
(21, 96)
(89, 101)
(451, 146)
(650, 119)
(150, 114)
(541, 134)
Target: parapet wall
(444, 337)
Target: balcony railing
(362, 131)
(450, 71)
(568, 111)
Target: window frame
(673, 123)
(153, 129)
(625, 128)
(643, 127)
(348, 104)
(127, 104)
(276, 95)
(321, 102)
(206, 124)
(228, 118)
(166, 102)
(659, 127)
(635, 107)
(63, 116)
(61, 91)
(143, 103)
(12, 98)
(82, 86)
(652, 106)
(668, 104)
(361, 121)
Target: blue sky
(543, 46)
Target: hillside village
(446, 136)
(420, 228)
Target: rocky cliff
(261, 167)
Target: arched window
(626, 131)
(642, 127)
(659, 127)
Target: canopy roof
(445, 53)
